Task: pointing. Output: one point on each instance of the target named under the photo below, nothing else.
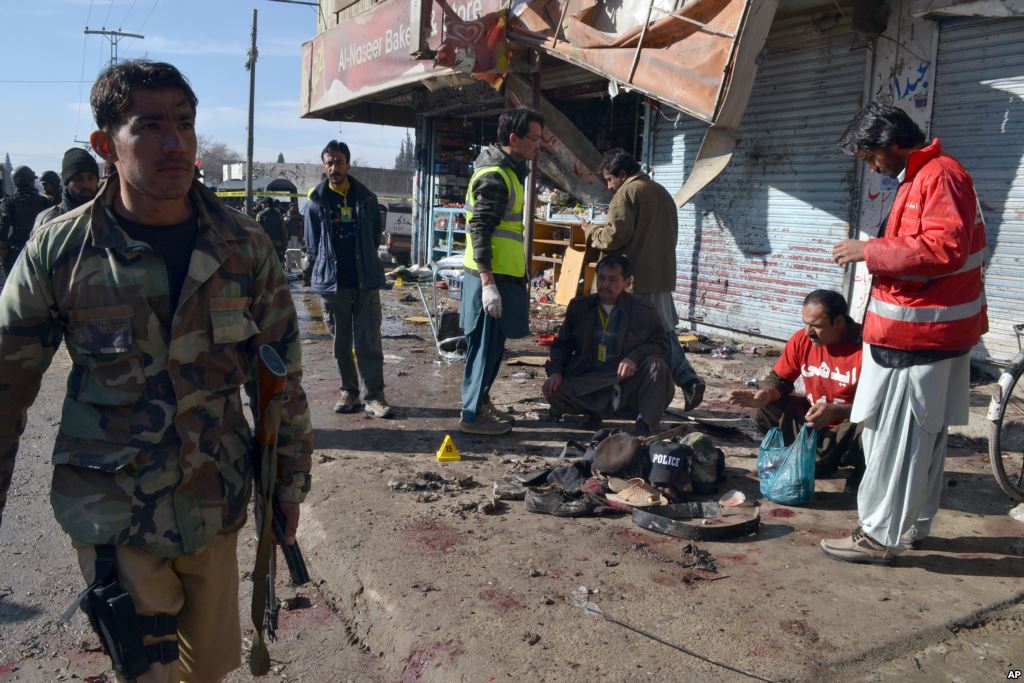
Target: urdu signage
(370, 53)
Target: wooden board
(569, 277)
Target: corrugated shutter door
(978, 114)
(760, 236)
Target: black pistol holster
(112, 615)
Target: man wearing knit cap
(51, 186)
(80, 174)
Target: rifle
(270, 385)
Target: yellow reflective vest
(507, 254)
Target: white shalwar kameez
(906, 413)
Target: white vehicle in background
(397, 217)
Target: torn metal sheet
(567, 155)
(699, 57)
(684, 57)
(719, 141)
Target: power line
(123, 21)
(107, 18)
(78, 116)
(144, 21)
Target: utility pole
(251, 66)
(114, 37)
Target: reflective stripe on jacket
(507, 254)
(928, 290)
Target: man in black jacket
(611, 354)
(17, 215)
(51, 186)
(343, 230)
(272, 221)
(81, 176)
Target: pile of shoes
(616, 472)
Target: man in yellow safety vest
(495, 304)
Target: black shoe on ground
(554, 500)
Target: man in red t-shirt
(827, 354)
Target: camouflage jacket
(153, 444)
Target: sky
(208, 40)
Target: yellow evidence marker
(448, 452)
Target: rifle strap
(259, 657)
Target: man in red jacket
(927, 309)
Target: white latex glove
(492, 301)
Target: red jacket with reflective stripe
(927, 291)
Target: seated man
(827, 353)
(611, 354)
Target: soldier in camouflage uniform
(152, 454)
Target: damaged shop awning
(368, 57)
(699, 56)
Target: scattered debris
(1017, 513)
(323, 458)
(507, 489)
(490, 506)
(733, 498)
(723, 351)
(531, 638)
(428, 498)
(533, 361)
(695, 558)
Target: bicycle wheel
(1006, 438)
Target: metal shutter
(978, 114)
(759, 237)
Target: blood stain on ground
(420, 661)
(318, 615)
(800, 629)
(504, 601)
(781, 513)
(734, 558)
(434, 535)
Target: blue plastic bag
(787, 472)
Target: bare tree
(214, 155)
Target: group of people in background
(28, 208)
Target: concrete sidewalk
(440, 593)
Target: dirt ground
(418, 585)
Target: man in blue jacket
(343, 229)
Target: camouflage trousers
(201, 590)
